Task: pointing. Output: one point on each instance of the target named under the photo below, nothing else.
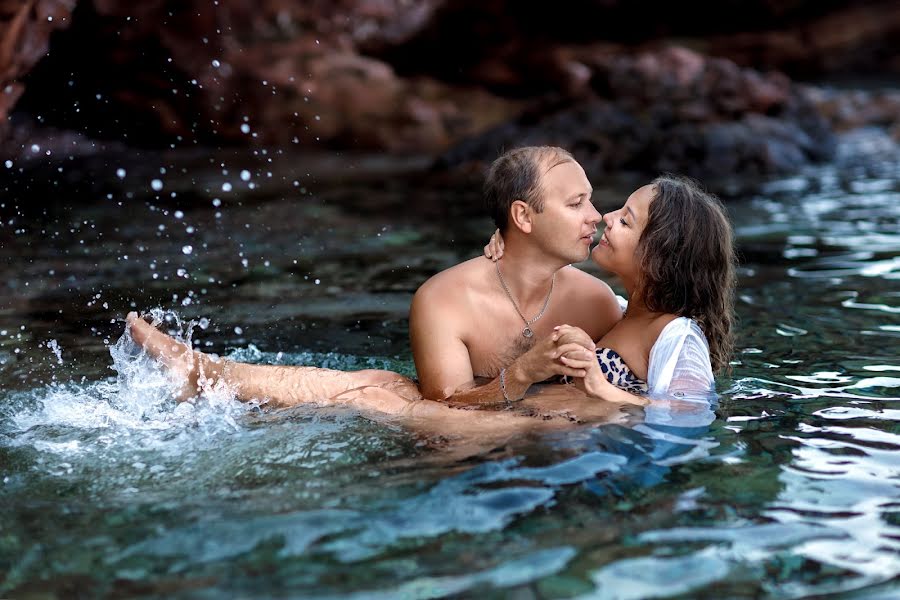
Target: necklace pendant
(527, 332)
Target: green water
(110, 490)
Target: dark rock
(25, 28)
(851, 109)
(465, 77)
(851, 38)
(673, 110)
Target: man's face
(566, 226)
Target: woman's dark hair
(688, 261)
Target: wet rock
(470, 76)
(850, 109)
(235, 72)
(672, 110)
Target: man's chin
(580, 257)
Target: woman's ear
(520, 215)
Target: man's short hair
(517, 175)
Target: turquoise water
(789, 487)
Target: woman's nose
(607, 218)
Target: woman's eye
(622, 221)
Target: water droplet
(245, 175)
(9, 164)
(156, 184)
(35, 148)
(216, 64)
(226, 187)
(238, 330)
(245, 128)
(179, 214)
(120, 173)
(204, 323)
(187, 249)
(216, 202)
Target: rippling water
(790, 488)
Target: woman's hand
(494, 248)
(594, 382)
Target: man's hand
(539, 364)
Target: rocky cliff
(628, 85)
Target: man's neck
(527, 272)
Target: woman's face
(617, 250)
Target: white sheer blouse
(679, 361)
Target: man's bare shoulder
(590, 302)
(585, 284)
(445, 287)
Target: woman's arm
(582, 356)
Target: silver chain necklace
(527, 332)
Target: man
(494, 320)
(478, 319)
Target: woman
(671, 246)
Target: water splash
(139, 399)
(56, 349)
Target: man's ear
(520, 215)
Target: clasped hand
(577, 351)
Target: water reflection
(787, 487)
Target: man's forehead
(566, 172)
(556, 160)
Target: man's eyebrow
(587, 193)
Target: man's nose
(594, 216)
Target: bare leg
(281, 386)
(382, 394)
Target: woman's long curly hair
(688, 261)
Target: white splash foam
(139, 399)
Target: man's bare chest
(492, 353)
(494, 336)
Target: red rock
(25, 28)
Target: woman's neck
(637, 308)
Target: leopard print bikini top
(618, 373)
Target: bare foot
(183, 364)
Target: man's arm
(445, 368)
(442, 359)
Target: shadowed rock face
(671, 110)
(459, 77)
